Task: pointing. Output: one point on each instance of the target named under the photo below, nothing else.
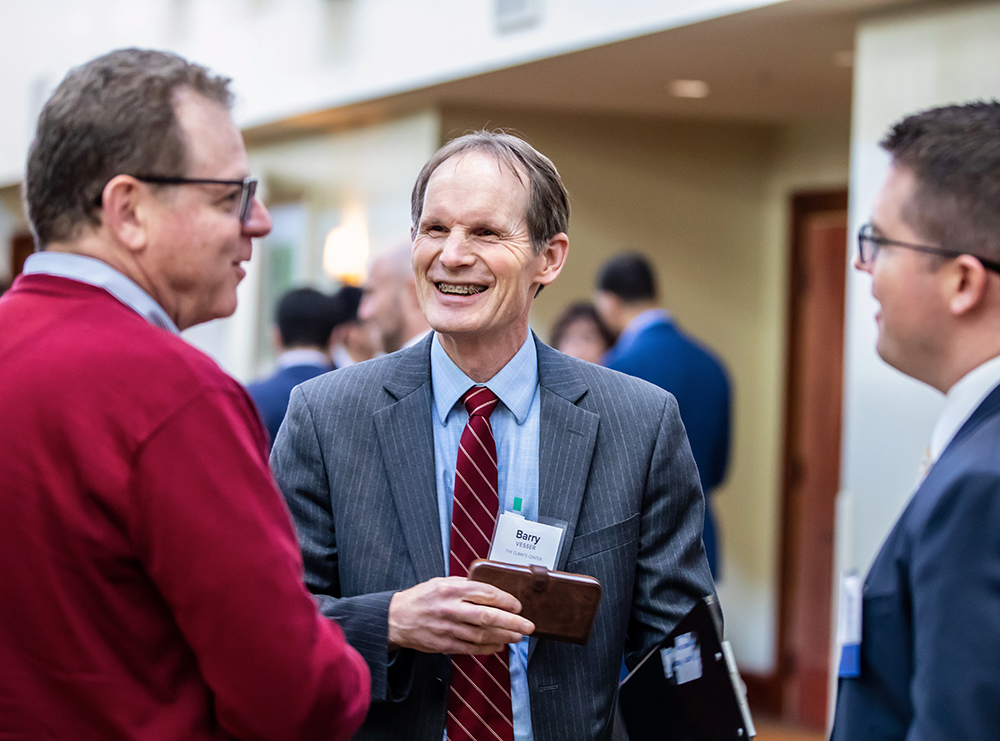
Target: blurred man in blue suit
(650, 346)
(928, 667)
(305, 319)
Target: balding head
(396, 263)
(390, 299)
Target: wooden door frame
(766, 691)
(21, 245)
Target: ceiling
(780, 63)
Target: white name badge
(849, 625)
(683, 661)
(521, 541)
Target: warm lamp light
(345, 251)
(689, 88)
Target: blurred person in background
(304, 320)
(151, 582)
(651, 346)
(579, 331)
(390, 305)
(351, 342)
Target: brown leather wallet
(561, 605)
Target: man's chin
(222, 310)
(451, 320)
(886, 352)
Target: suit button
(437, 686)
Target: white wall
(904, 63)
(296, 56)
(806, 156)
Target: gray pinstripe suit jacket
(355, 460)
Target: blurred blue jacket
(271, 394)
(654, 349)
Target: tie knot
(479, 402)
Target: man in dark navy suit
(929, 665)
(650, 346)
(305, 319)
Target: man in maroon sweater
(151, 582)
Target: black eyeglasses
(869, 244)
(248, 184)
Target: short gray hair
(111, 116)
(548, 202)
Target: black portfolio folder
(687, 688)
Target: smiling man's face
(197, 244)
(475, 267)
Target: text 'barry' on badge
(521, 541)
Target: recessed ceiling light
(689, 88)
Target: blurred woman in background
(580, 332)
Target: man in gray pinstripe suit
(364, 461)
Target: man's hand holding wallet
(561, 605)
(452, 615)
(513, 594)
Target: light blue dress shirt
(516, 426)
(100, 274)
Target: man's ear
(125, 202)
(554, 255)
(966, 284)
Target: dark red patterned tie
(479, 703)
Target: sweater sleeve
(300, 470)
(215, 537)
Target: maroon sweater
(150, 581)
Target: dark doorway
(21, 245)
(812, 453)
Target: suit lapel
(986, 409)
(407, 442)
(565, 446)
(566, 442)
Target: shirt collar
(100, 274)
(961, 401)
(514, 385)
(645, 319)
(302, 356)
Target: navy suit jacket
(930, 631)
(271, 394)
(663, 355)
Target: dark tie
(479, 702)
